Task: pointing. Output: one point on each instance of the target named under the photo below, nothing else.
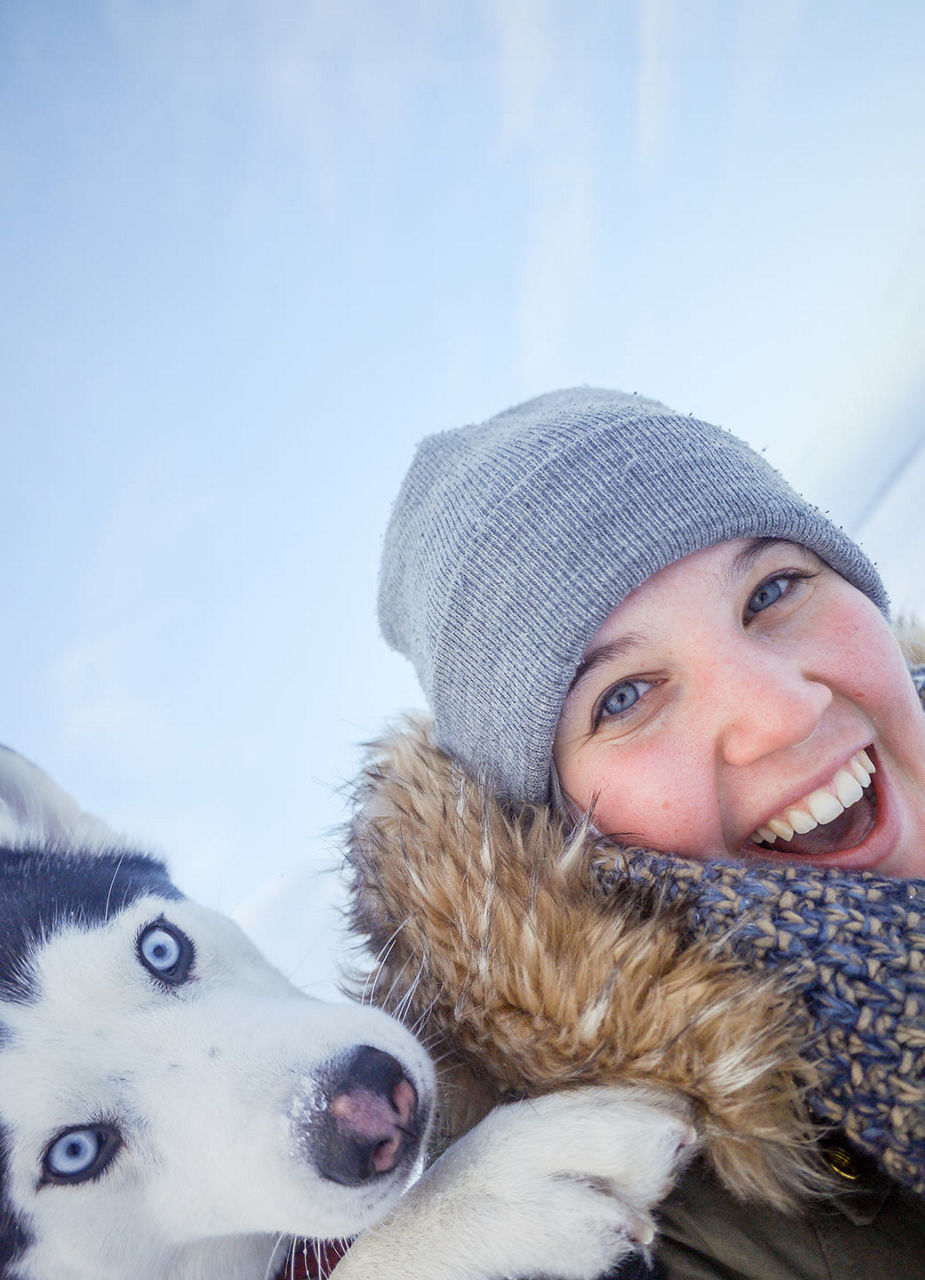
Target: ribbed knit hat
(512, 540)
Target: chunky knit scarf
(853, 946)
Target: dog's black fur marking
(44, 890)
(14, 1236)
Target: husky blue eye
(161, 950)
(80, 1154)
(165, 951)
(75, 1153)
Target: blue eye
(621, 698)
(80, 1154)
(161, 950)
(165, 951)
(768, 593)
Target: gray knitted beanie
(512, 540)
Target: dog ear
(33, 808)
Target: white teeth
(820, 806)
(824, 806)
(800, 820)
(847, 788)
(781, 829)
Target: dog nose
(370, 1122)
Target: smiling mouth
(833, 819)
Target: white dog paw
(563, 1186)
(572, 1228)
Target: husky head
(170, 1105)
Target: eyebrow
(604, 653)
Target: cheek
(862, 662)
(859, 656)
(656, 797)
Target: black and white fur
(172, 1108)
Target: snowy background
(253, 250)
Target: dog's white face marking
(165, 1086)
(171, 1108)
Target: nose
(369, 1123)
(767, 703)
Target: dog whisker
(379, 963)
(270, 1271)
(402, 1006)
(385, 1002)
(112, 885)
(417, 1027)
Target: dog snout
(370, 1123)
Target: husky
(172, 1108)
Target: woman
(624, 616)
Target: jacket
(532, 958)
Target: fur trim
(910, 633)
(491, 942)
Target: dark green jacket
(875, 1232)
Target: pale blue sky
(252, 251)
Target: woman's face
(730, 700)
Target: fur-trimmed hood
(531, 958)
(491, 941)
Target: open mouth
(834, 818)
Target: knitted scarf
(853, 947)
